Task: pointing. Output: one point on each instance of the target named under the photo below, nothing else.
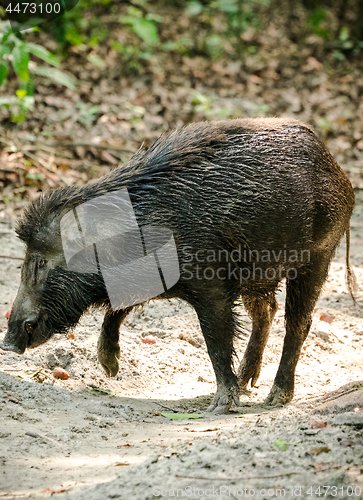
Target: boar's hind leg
(107, 345)
(218, 327)
(262, 312)
(301, 296)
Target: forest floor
(91, 437)
(94, 438)
(126, 99)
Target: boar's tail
(350, 278)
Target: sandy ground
(94, 438)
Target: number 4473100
(33, 8)
(334, 491)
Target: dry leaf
(318, 424)
(327, 318)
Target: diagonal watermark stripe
(137, 263)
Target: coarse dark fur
(263, 185)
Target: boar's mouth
(37, 333)
(22, 335)
(15, 339)
(11, 347)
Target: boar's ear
(47, 238)
(42, 235)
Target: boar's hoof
(223, 400)
(246, 373)
(109, 360)
(278, 396)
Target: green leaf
(194, 8)
(344, 34)
(96, 61)
(281, 444)
(35, 176)
(127, 20)
(154, 17)
(42, 53)
(56, 75)
(338, 55)
(134, 12)
(229, 6)
(4, 68)
(4, 49)
(20, 62)
(146, 30)
(29, 87)
(181, 416)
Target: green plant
(35, 176)
(143, 25)
(345, 43)
(87, 114)
(208, 106)
(181, 45)
(316, 20)
(15, 53)
(137, 111)
(282, 445)
(239, 16)
(74, 28)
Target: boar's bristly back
(196, 145)
(169, 152)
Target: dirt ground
(94, 438)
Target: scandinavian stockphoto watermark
(24, 15)
(102, 235)
(242, 264)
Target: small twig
(338, 395)
(46, 438)
(11, 257)
(239, 478)
(257, 477)
(63, 145)
(166, 407)
(42, 147)
(43, 373)
(4, 141)
(40, 162)
(336, 336)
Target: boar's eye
(29, 327)
(42, 263)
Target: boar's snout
(16, 338)
(26, 326)
(24, 333)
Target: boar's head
(51, 298)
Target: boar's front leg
(107, 345)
